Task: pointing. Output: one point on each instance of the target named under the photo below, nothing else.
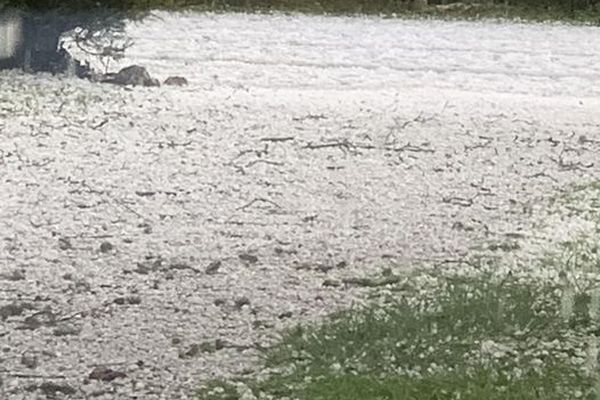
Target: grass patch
(573, 216)
(587, 11)
(458, 10)
(465, 339)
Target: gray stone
(133, 75)
(176, 81)
(66, 330)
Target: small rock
(176, 81)
(219, 344)
(146, 227)
(219, 302)
(105, 247)
(51, 389)
(182, 266)
(133, 300)
(191, 352)
(105, 374)
(64, 244)
(286, 314)
(133, 75)
(66, 330)
(331, 283)
(209, 346)
(213, 267)
(29, 360)
(241, 302)
(249, 258)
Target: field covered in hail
(153, 239)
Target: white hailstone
(336, 367)
(244, 392)
(489, 348)
(517, 373)
(536, 362)
(247, 395)
(434, 328)
(567, 302)
(578, 360)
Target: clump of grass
(468, 339)
(586, 11)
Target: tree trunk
(11, 40)
(31, 42)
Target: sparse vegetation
(582, 10)
(446, 335)
(450, 338)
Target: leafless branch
(258, 200)
(278, 139)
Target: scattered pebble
(285, 315)
(52, 389)
(248, 258)
(240, 302)
(106, 247)
(66, 329)
(105, 374)
(176, 81)
(213, 267)
(132, 300)
(64, 244)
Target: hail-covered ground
(152, 238)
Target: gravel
(153, 238)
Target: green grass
(519, 10)
(587, 11)
(465, 339)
